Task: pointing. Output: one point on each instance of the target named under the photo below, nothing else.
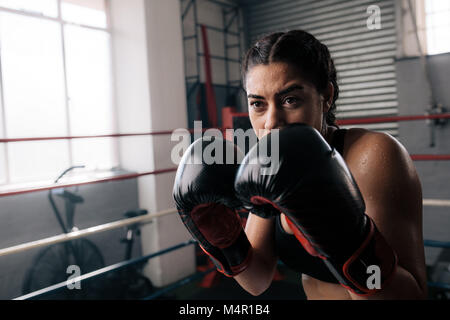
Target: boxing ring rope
(436, 244)
(430, 157)
(74, 184)
(168, 132)
(393, 119)
(112, 135)
(84, 232)
(436, 202)
(442, 245)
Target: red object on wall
(227, 122)
(210, 96)
(227, 117)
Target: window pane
(45, 7)
(86, 12)
(439, 19)
(2, 148)
(429, 6)
(33, 81)
(37, 160)
(2, 132)
(441, 41)
(431, 42)
(94, 153)
(440, 5)
(89, 80)
(2, 163)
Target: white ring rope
(84, 232)
(436, 202)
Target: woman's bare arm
(259, 275)
(392, 193)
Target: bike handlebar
(67, 170)
(70, 205)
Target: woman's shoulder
(363, 136)
(377, 159)
(370, 153)
(362, 143)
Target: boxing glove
(323, 205)
(206, 202)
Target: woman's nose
(274, 118)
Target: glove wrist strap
(370, 268)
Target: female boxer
(289, 78)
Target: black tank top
(289, 249)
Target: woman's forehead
(275, 75)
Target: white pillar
(150, 95)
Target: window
(437, 26)
(432, 19)
(55, 80)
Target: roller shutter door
(364, 58)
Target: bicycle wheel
(51, 267)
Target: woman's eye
(256, 104)
(290, 100)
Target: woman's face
(278, 95)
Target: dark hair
(303, 50)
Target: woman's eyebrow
(254, 96)
(289, 89)
(279, 93)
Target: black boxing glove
(207, 204)
(314, 188)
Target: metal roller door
(364, 57)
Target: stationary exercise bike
(51, 265)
